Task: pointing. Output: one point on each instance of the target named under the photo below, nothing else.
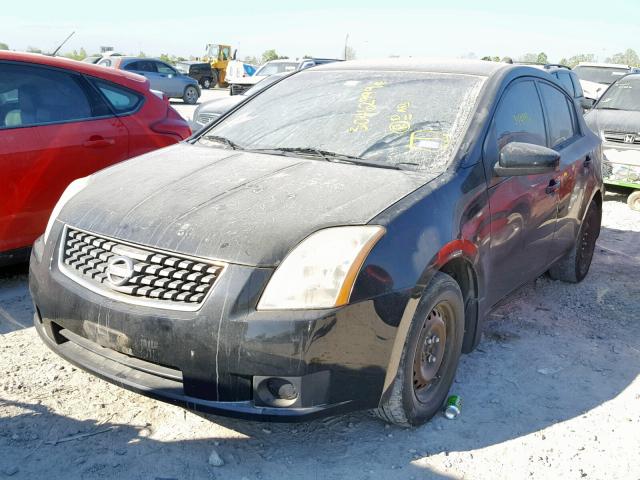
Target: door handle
(98, 142)
(554, 186)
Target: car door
(570, 181)
(173, 81)
(59, 129)
(523, 208)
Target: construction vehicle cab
(219, 56)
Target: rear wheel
(430, 356)
(190, 95)
(633, 201)
(574, 266)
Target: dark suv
(200, 71)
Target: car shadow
(551, 353)
(16, 310)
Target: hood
(626, 121)
(593, 89)
(234, 206)
(219, 106)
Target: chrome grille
(162, 278)
(630, 138)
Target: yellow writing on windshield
(400, 122)
(367, 107)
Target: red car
(61, 120)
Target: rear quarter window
(121, 99)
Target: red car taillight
(172, 124)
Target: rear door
(57, 129)
(564, 136)
(523, 208)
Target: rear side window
(559, 115)
(121, 99)
(32, 96)
(519, 116)
(565, 81)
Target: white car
(240, 85)
(595, 78)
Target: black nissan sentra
(333, 243)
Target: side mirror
(587, 103)
(518, 158)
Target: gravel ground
(552, 392)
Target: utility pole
(345, 46)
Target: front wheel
(206, 83)
(574, 266)
(190, 95)
(430, 356)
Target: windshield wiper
(325, 155)
(608, 108)
(223, 140)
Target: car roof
(603, 65)
(435, 65)
(127, 79)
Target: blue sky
(295, 28)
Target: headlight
(321, 270)
(73, 188)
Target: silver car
(162, 76)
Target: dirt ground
(552, 392)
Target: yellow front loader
(218, 56)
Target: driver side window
(519, 116)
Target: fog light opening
(277, 392)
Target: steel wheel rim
(191, 93)
(587, 244)
(430, 356)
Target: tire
(633, 201)
(574, 266)
(206, 83)
(190, 96)
(414, 399)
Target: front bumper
(623, 164)
(213, 359)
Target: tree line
(628, 57)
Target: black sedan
(335, 243)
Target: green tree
(31, 49)
(141, 54)
(529, 58)
(269, 55)
(542, 58)
(4, 46)
(76, 55)
(576, 59)
(251, 60)
(628, 57)
(170, 59)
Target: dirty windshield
(623, 95)
(402, 120)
